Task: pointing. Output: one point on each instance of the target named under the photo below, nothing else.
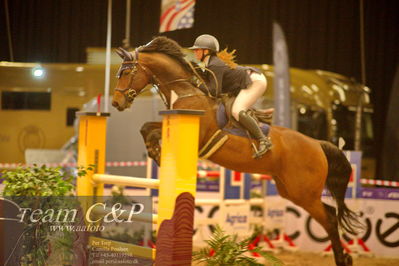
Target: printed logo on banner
(275, 213)
(235, 219)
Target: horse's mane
(169, 47)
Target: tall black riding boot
(252, 126)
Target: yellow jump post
(177, 180)
(91, 150)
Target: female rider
(246, 82)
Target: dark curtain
(321, 34)
(390, 154)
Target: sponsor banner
(379, 193)
(381, 218)
(207, 185)
(236, 184)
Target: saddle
(228, 125)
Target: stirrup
(265, 144)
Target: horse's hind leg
(326, 216)
(336, 243)
(152, 134)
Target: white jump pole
(126, 181)
(108, 57)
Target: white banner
(380, 216)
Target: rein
(198, 76)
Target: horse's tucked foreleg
(152, 134)
(153, 146)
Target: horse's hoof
(157, 160)
(348, 259)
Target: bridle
(129, 92)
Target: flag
(176, 15)
(282, 96)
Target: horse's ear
(120, 53)
(126, 55)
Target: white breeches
(247, 97)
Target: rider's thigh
(247, 97)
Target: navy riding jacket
(228, 80)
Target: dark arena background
(355, 42)
(320, 35)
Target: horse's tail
(339, 172)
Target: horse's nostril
(114, 104)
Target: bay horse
(301, 166)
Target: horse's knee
(147, 127)
(144, 128)
(154, 135)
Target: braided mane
(166, 46)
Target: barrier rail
(126, 181)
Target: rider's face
(199, 53)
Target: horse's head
(132, 78)
(161, 63)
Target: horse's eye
(126, 73)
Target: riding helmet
(206, 41)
